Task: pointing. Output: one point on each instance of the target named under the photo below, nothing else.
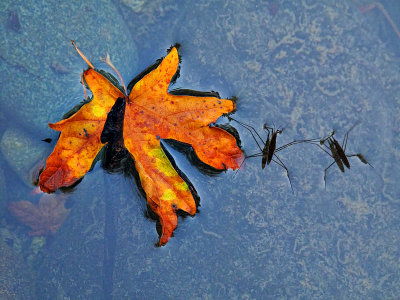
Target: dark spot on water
(13, 21)
(48, 140)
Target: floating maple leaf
(45, 217)
(151, 114)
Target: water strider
(268, 149)
(338, 152)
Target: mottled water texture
(308, 66)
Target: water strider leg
(280, 163)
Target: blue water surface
(307, 66)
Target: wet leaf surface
(149, 115)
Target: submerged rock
(21, 152)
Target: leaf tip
(176, 46)
(234, 99)
(55, 126)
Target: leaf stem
(107, 60)
(83, 85)
(83, 56)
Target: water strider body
(338, 152)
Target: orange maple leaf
(79, 142)
(151, 114)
